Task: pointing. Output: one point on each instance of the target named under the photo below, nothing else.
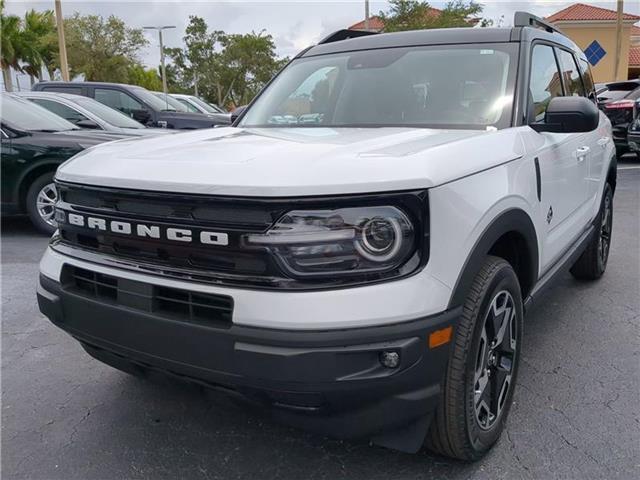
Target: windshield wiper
(46, 130)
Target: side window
(587, 79)
(570, 74)
(61, 110)
(544, 83)
(118, 100)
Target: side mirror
(569, 115)
(236, 113)
(86, 123)
(141, 116)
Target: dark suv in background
(136, 102)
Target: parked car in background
(617, 102)
(194, 103)
(34, 143)
(633, 135)
(136, 102)
(198, 104)
(87, 113)
(172, 103)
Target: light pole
(64, 66)
(366, 15)
(619, 17)
(164, 71)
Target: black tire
(620, 151)
(593, 261)
(456, 430)
(32, 203)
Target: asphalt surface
(576, 412)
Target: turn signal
(440, 337)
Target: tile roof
(634, 56)
(635, 31)
(376, 23)
(580, 11)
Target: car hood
(293, 161)
(224, 118)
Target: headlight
(342, 242)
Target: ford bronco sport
(358, 251)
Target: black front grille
(172, 303)
(234, 264)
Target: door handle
(603, 142)
(581, 153)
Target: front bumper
(327, 381)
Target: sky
(294, 24)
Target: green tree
(247, 63)
(11, 46)
(147, 78)
(224, 69)
(102, 50)
(419, 15)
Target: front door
(563, 161)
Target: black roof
(441, 36)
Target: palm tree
(39, 49)
(11, 46)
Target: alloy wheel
(495, 360)
(45, 203)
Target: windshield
(27, 116)
(152, 100)
(108, 114)
(447, 86)
(206, 106)
(172, 102)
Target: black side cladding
(538, 179)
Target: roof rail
(345, 34)
(525, 19)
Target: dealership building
(594, 31)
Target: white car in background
(196, 104)
(87, 113)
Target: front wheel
(41, 199)
(483, 365)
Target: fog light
(390, 359)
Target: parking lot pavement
(576, 412)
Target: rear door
(600, 140)
(588, 151)
(561, 158)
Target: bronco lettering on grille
(146, 230)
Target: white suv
(359, 250)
